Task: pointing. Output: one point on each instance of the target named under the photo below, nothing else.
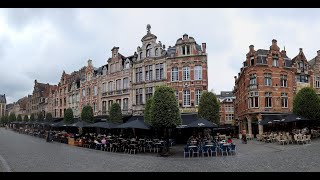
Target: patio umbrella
(104, 124)
(295, 118)
(58, 124)
(201, 123)
(135, 124)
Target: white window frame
(186, 73)
(284, 100)
(186, 98)
(174, 74)
(268, 100)
(284, 80)
(95, 89)
(317, 82)
(267, 79)
(198, 72)
(198, 96)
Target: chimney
(89, 62)
(204, 47)
(318, 52)
(300, 50)
(115, 51)
(35, 81)
(274, 42)
(185, 36)
(284, 52)
(251, 48)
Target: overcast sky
(41, 43)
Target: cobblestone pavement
(24, 153)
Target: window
(110, 104)
(159, 71)
(186, 73)
(253, 81)
(185, 50)
(253, 100)
(267, 79)
(148, 72)
(251, 61)
(139, 96)
(104, 88)
(94, 107)
(177, 95)
(141, 55)
(118, 101)
(149, 93)
(139, 74)
(283, 79)
(95, 89)
(83, 92)
(174, 74)
(229, 117)
(156, 52)
(89, 77)
(198, 96)
(104, 106)
(197, 72)
(110, 87)
(186, 98)
(302, 78)
(228, 108)
(284, 100)
(149, 50)
(127, 64)
(301, 66)
(125, 104)
(268, 99)
(275, 62)
(317, 82)
(125, 83)
(118, 84)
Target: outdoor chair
(232, 149)
(303, 139)
(213, 149)
(205, 150)
(186, 151)
(308, 139)
(195, 150)
(290, 139)
(224, 149)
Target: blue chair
(232, 149)
(195, 150)
(214, 149)
(224, 149)
(205, 150)
(186, 151)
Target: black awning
(295, 118)
(272, 119)
(135, 124)
(201, 123)
(103, 124)
(79, 124)
(133, 118)
(188, 118)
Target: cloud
(41, 43)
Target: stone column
(260, 127)
(249, 126)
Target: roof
(226, 94)
(312, 62)
(287, 62)
(262, 52)
(3, 98)
(171, 50)
(198, 47)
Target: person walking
(244, 136)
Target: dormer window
(156, 52)
(186, 50)
(149, 50)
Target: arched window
(149, 50)
(156, 52)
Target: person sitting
(229, 141)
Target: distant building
(226, 113)
(3, 103)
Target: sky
(41, 43)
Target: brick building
(226, 112)
(315, 67)
(187, 72)
(265, 85)
(41, 91)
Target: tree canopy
(32, 117)
(209, 107)
(147, 111)
(12, 117)
(68, 116)
(306, 103)
(115, 113)
(25, 118)
(164, 111)
(40, 117)
(19, 118)
(48, 117)
(87, 114)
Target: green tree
(40, 117)
(147, 111)
(68, 116)
(209, 107)
(12, 117)
(2, 120)
(32, 117)
(115, 113)
(165, 113)
(19, 118)
(306, 103)
(48, 117)
(25, 118)
(87, 114)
